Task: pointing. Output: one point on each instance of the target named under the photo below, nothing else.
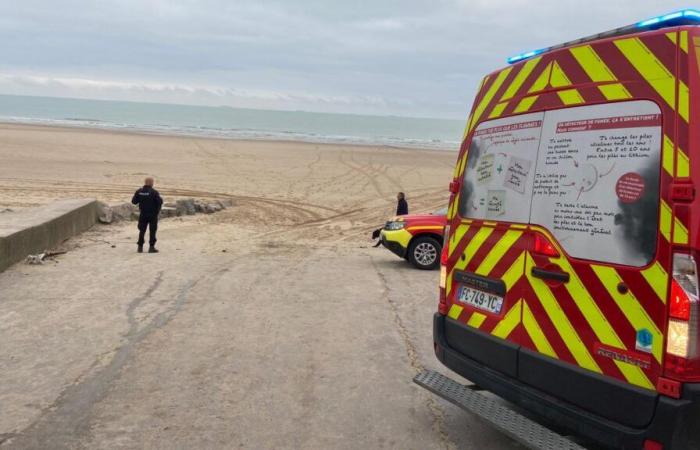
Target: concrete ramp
(37, 229)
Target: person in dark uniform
(401, 206)
(150, 202)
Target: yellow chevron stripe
(498, 110)
(667, 155)
(518, 226)
(458, 166)
(525, 104)
(520, 78)
(514, 87)
(451, 209)
(683, 166)
(495, 86)
(616, 91)
(680, 232)
(672, 36)
(468, 126)
(463, 164)
(684, 41)
(473, 246)
(657, 277)
(599, 72)
(630, 307)
(665, 220)
(476, 320)
(514, 272)
(683, 101)
(599, 323)
(539, 85)
(536, 334)
(561, 322)
(571, 97)
(559, 79)
(542, 81)
(455, 312)
(649, 66)
(457, 237)
(509, 322)
(502, 246)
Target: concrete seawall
(38, 229)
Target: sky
(385, 57)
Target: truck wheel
(424, 253)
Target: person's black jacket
(149, 201)
(402, 208)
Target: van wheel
(424, 253)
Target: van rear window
(597, 183)
(501, 168)
(589, 174)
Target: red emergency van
(569, 281)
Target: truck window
(596, 186)
(500, 169)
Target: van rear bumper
(674, 423)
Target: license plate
(480, 299)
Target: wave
(240, 134)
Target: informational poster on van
(500, 169)
(596, 183)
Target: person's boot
(140, 249)
(152, 249)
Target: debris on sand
(42, 257)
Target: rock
(200, 206)
(186, 206)
(167, 211)
(226, 203)
(212, 208)
(104, 213)
(179, 211)
(124, 211)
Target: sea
(234, 123)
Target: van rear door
(488, 246)
(594, 302)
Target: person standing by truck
(401, 205)
(150, 203)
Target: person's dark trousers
(150, 222)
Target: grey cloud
(405, 57)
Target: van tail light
(442, 306)
(542, 246)
(652, 445)
(682, 345)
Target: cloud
(408, 57)
(165, 92)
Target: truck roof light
(691, 14)
(676, 18)
(520, 57)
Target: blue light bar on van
(686, 13)
(682, 17)
(520, 57)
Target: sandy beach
(284, 182)
(272, 324)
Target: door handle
(550, 275)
